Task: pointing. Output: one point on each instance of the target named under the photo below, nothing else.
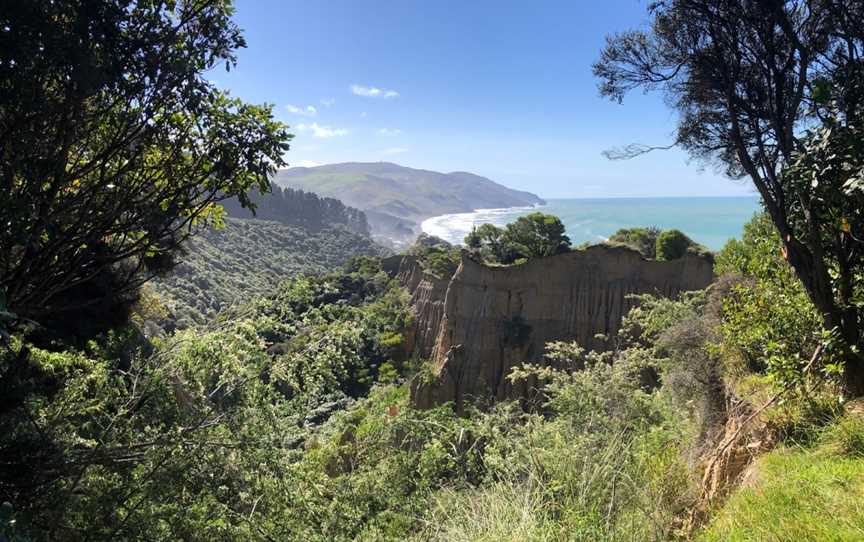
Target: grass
(500, 513)
(801, 494)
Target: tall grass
(605, 463)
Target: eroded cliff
(428, 294)
(487, 320)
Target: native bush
(768, 321)
(535, 235)
(672, 244)
(642, 239)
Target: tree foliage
(115, 146)
(768, 322)
(535, 235)
(672, 244)
(486, 241)
(642, 239)
(298, 208)
(747, 79)
(222, 268)
(435, 255)
(200, 438)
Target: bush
(642, 239)
(767, 320)
(535, 235)
(672, 244)
(200, 439)
(436, 256)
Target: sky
(499, 88)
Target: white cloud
(363, 115)
(321, 131)
(394, 150)
(328, 102)
(304, 163)
(389, 131)
(308, 111)
(373, 92)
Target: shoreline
(711, 221)
(435, 225)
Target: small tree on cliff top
(115, 146)
(536, 235)
(672, 244)
(747, 78)
(532, 236)
(642, 239)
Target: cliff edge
(486, 320)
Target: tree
(116, 147)
(535, 235)
(436, 255)
(767, 317)
(486, 242)
(747, 78)
(642, 239)
(532, 236)
(672, 244)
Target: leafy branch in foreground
(116, 147)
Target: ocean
(709, 221)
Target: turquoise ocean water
(710, 221)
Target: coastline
(711, 221)
(444, 225)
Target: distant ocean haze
(709, 221)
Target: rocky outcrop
(428, 293)
(487, 320)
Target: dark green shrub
(437, 256)
(528, 237)
(672, 244)
(642, 239)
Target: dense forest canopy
(221, 269)
(298, 208)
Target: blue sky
(498, 88)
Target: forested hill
(290, 232)
(249, 257)
(398, 198)
(299, 208)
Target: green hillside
(249, 257)
(298, 208)
(390, 192)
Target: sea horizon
(709, 220)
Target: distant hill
(397, 198)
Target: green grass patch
(801, 493)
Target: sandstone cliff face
(427, 302)
(488, 320)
